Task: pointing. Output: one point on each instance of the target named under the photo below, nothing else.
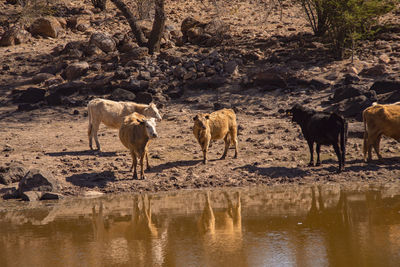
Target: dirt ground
(271, 148)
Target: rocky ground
(256, 60)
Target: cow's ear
(141, 121)
(195, 118)
(207, 117)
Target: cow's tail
(365, 134)
(343, 139)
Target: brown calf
(220, 124)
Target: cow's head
(296, 112)
(152, 112)
(201, 120)
(150, 126)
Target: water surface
(264, 226)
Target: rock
(31, 95)
(138, 53)
(38, 180)
(144, 98)
(27, 107)
(385, 86)
(103, 41)
(75, 70)
(51, 196)
(41, 77)
(122, 95)
(83, 27)
(207, 82)
(354, 106)
(46, 27)
(231, 67)
(384, 59)
(269, 80)
(74, 49)
(14, 36)
(349, 91)
(378, 70)
(200, 33)
(12, 173)
(31, 196)
(53, 69)
(10, 193)
(351, 78)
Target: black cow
(322, 128)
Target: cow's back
(221, 122)
(110, 112)
(384, 119)
(131, 132)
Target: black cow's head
(296, 112)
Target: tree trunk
(137, 31)
(158, 27)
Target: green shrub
(345, 21)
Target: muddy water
(268, 226)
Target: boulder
(231, 67)
(103, 41)
(207, 82)
(269, 80)
(12, 173)
(41, 77)
(201, 33)
(46, 27)
(353, 107)
(31, 196)
(138, 53)
(122, 95)
(349, 91)
(375, 71)
(144, 98)
(75, 70)
(385, 86)
(51, 196)
(31, 95)
(14, 36)
(38, 180)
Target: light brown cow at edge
(220, 124)
(380, 120)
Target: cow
(112, 114)
(220, 124)
(322, 128)
(380, 120)
(135, 133)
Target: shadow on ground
(82, 153)
(275, 172)
(91, 180)
(169, 165)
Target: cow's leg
(142, 155)
(227, 143)
(233, 133)
(205, 149)
(365, 145)
(147, 160)
(134, 164)
(311, 147)
(95, 129)
(371, 142)
(339, 155)
(318, 151)
(376, 146)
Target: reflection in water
(264, 226)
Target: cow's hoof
(204, 161)
(318, 164)
(235, 157)
(223, 157)
(310, 164)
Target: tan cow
(380, 120)
(112, 114)
(135, 134)
(220, 124)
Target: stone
(12, 173)
(212, 82)
(103, 41)
(384, 59)
(122, 95)
(377, 70)
(41, 77)
(27, 107)
(31, 196)
(14, 36)
(231, 67)
(38, 180)
(351, 78)
(269, 80)
(31, 95)
(349, 91)
(138, 53)
(51, 196)
(385, 86)
(83, 27)
(75, 70)
(144, 98)
(46, 27)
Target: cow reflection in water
(222, 231)
(136, 240)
